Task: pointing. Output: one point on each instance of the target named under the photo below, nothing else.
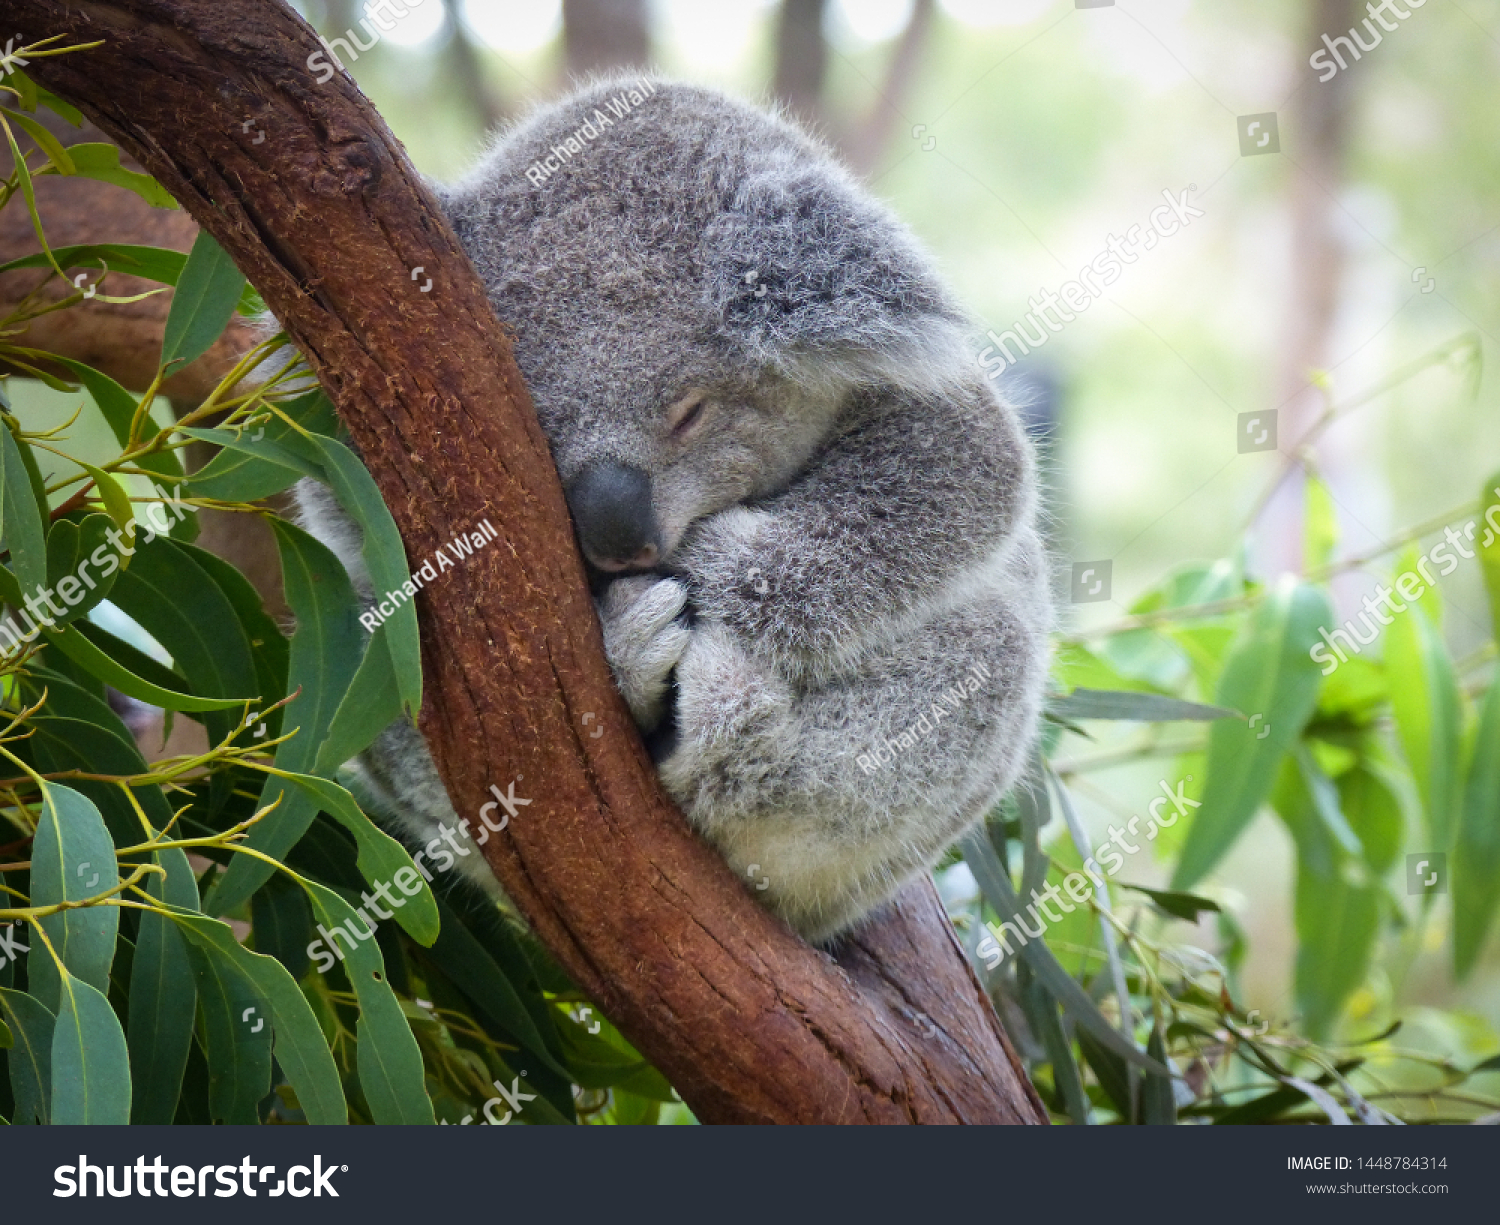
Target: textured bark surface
(329, 220)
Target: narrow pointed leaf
(207, 292)
(30, 1057)
(1271, 678)
(163, 998)
(72, 858)
(90, 1061)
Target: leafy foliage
(1361, 756)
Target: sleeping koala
(810, 520)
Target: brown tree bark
(328, 219)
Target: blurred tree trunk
(747, 1022)
(1319, 119)
(469, 75)
(801, 58)
(868, 145)
(604, 35)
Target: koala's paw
(643, 640)
(732, 713)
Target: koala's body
(828, 603)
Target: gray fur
(849, 549)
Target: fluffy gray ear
(804, 269)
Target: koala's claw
(643, 640)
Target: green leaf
(268, 645)
(459, 954)
(1185, 906)
(90, 1061)
(30, 94)
(998, 891)
(72, 858)
(237, 1034)
(116, 501)
(1158, 1106)
(1123, 704)
(1429, 719)
(207, 293)
(1336, 917)
(385, 559)
(1476, 858)
(371, 704)
(47, 142)
(180, 606)
(300, 1047)
(30, 1059)
(102, 162)
(55, 104)
(149, 263)
(1489, 551)
(77, 730)
(389, 1061)
(281, 923)
(81, 649)
(381, 858)
(70, 570)
(325, 654)
(118, 408)
(249, 471)
(1374, 813)
(163, 998)
(248, 468)
(20, 517)
(1271, 678)
(1112, 1073)
(1041, 1013)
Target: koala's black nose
(611, 505)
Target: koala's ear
(805, 270)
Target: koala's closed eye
(687, 414)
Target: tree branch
(328, 219)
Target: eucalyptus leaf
(1272, 679)
(1129, 705)
(30, 1057)
(1476, 857)
(72, 859)
(90, 1061)
(163, 997)
(1429, 719)
(208, 290)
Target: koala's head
(696, 290)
